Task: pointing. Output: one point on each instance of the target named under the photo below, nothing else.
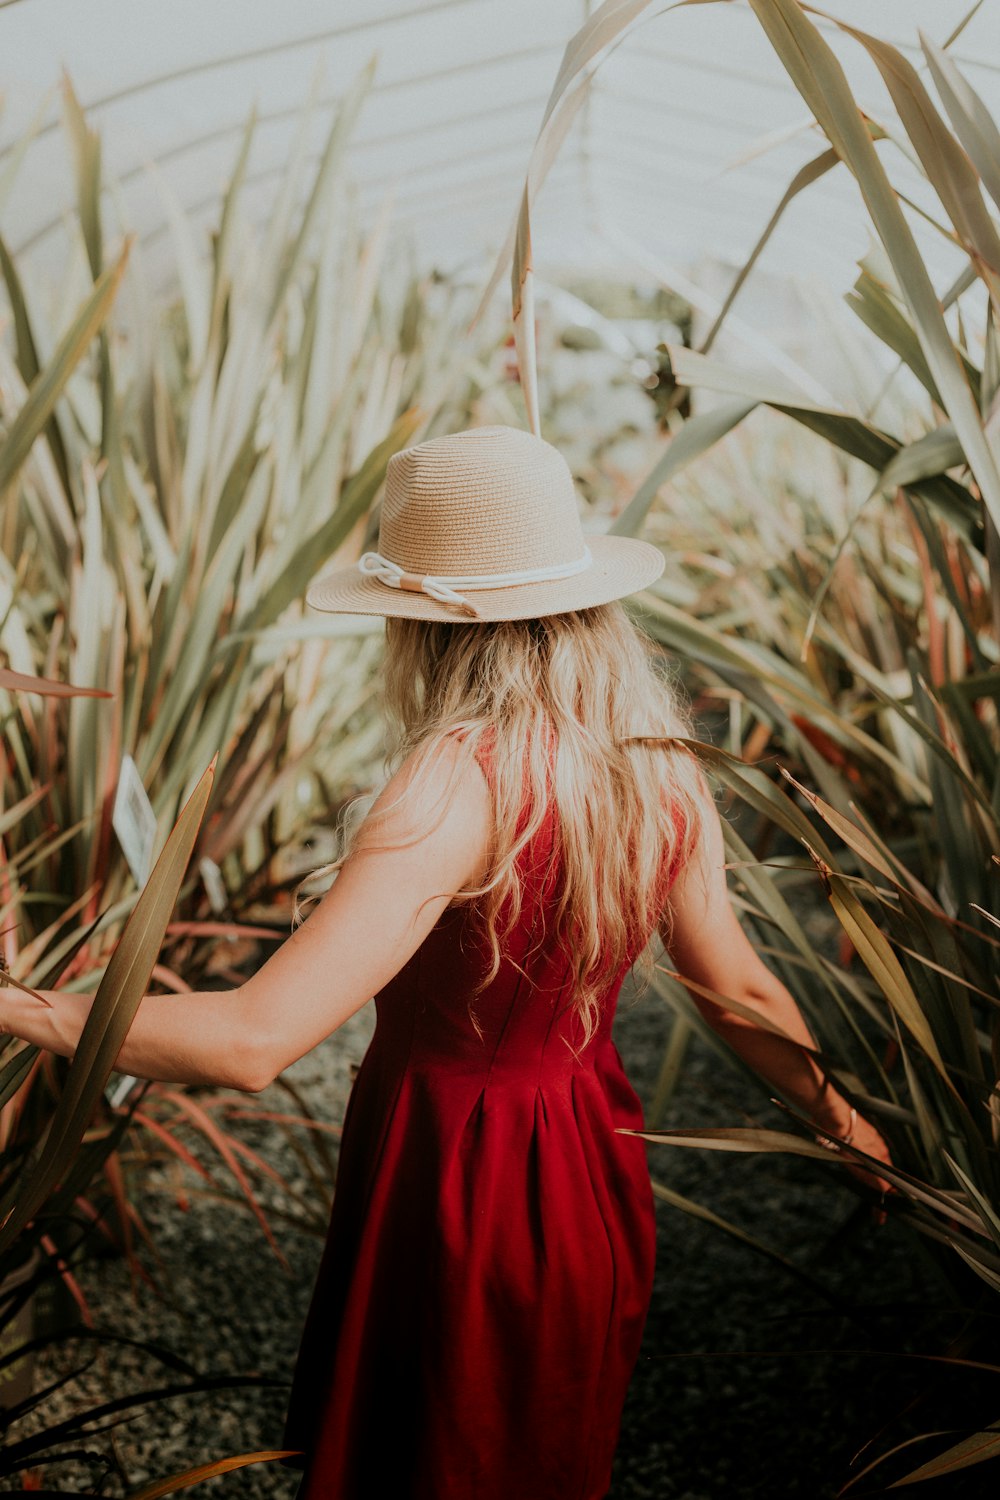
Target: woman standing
(488, 1266)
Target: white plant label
(134, 821)
(215, 886)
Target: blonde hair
(584, 716)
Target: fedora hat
(484, 525)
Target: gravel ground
(710, 1412)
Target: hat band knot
(445, 588)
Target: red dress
(481, 1296)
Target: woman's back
(490, 1256)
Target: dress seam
(552, 1021)
(521, 976)
(595, 1426)
(402, 1075)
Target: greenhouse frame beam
(265, 174)
(139, 168)
(292, 44)
(389, 86)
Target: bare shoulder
(424, 840)
(439, 797)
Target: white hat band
(444, 587)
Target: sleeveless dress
(488, 1266)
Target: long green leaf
(974, 1449)
(804, 177)
(946, 164)
(696, 436)
(817, 74)
(333, 152)
(743, 1139)
(42, 397)
(357, 496)
(112, 1010)
(877, 955)
(974, 126)
(607, 22)
(853, 434)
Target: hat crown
(484, 501)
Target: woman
(489, 1261)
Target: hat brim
(621, 566)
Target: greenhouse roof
(690, 134)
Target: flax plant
(869, 656)
(172, 480)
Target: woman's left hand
(870, 1140)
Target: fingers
(875, 1184)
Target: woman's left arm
(707, 944)
(379, 909)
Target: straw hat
(484, 525)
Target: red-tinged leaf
(13, 815)
(254, 1157)
(223, 1145)
(71, 1283)
(170, 1140)
(208, 1471)
(831, 752)
(236, 1113)
(845, 950)
(136, 1266)
(170, 978)
(32, 953)
(20, 682)
(222, 929)
(113, 1172)
(118, 997)
(6, 977)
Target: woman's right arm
(707, 944)
(387, 896)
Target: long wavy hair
(582, 711)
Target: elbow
(254, 1082)
(257, 1070)
(759, 999)
(253, 1065)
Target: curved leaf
(208, 1471)
(21, 682)
(45, 391)
(818, 75)
(112, 1010)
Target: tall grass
(868, 655)
(173, 477)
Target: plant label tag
(215, 886)
(117, 1090)
(134, 821)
